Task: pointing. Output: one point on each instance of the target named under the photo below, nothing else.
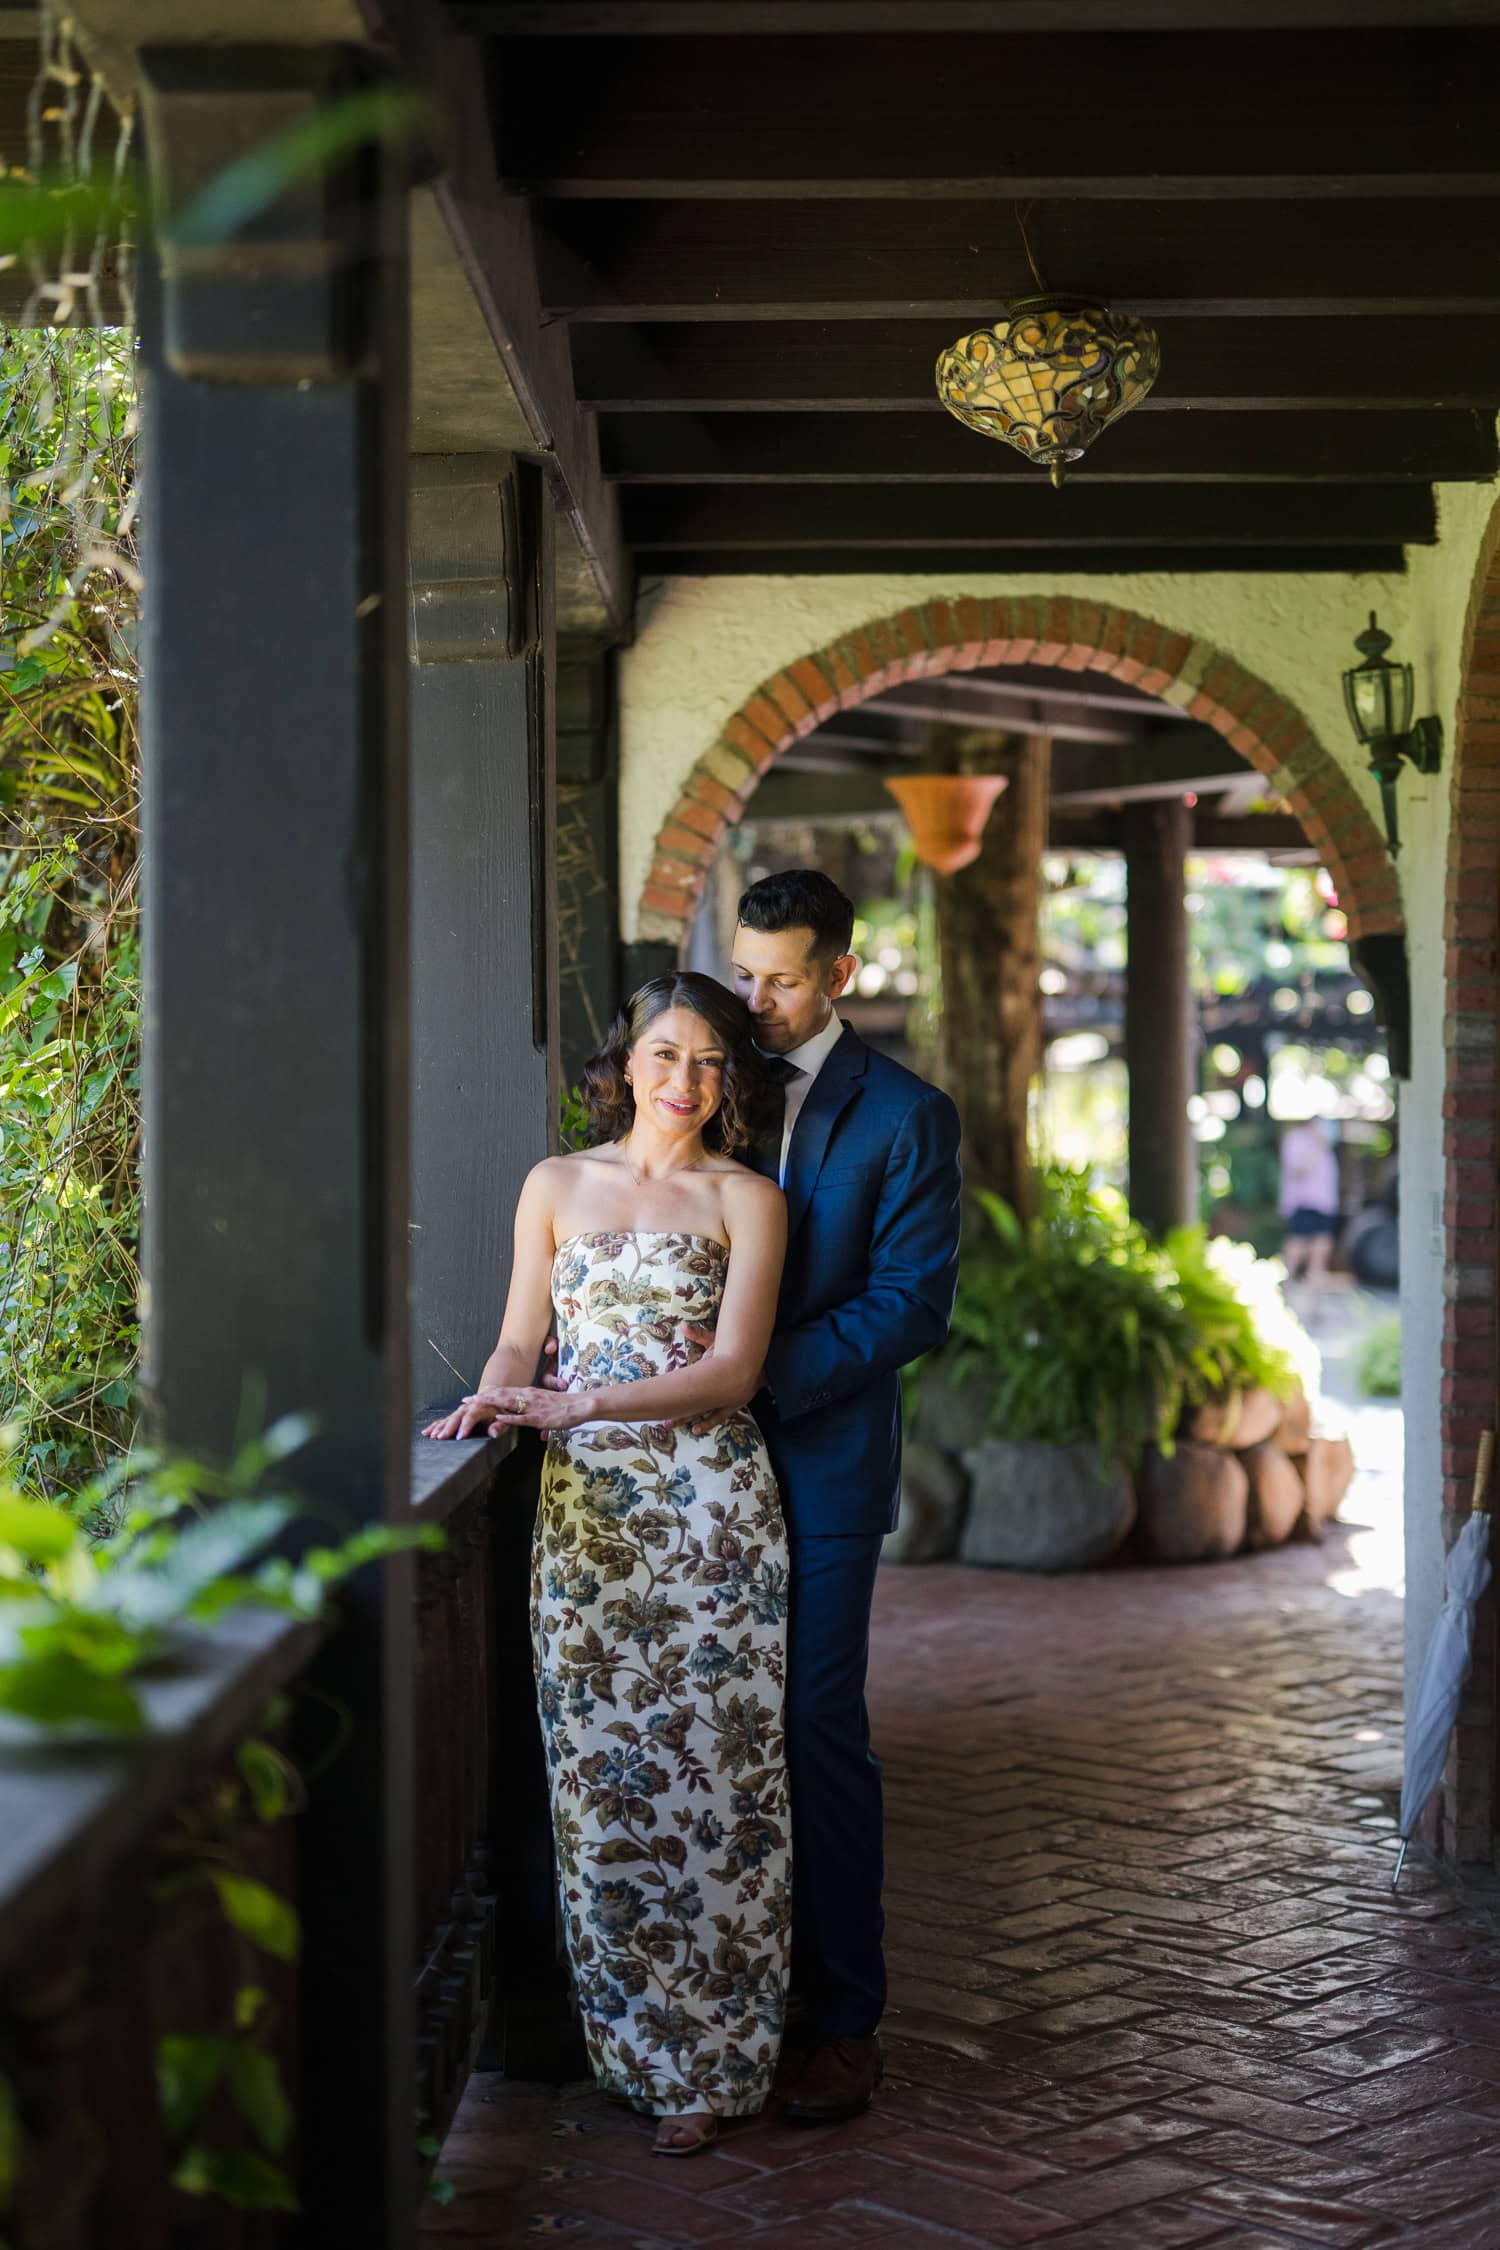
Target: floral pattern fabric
(659, 1603)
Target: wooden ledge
(70, 1811)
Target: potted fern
(1080, 1349)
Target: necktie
(767, 1157)
(792, 1077)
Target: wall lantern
(1049, 376)
(946, 813)
(1379, 696)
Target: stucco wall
(704, 645)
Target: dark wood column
(485, 1095)
(588, 880)
(484, 996)
(276, 990)
(1158, 1015)
(990, 965)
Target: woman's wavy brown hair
(747, 1111)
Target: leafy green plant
(69, 675)
(52, 208)
(81, 1621)
(573, 1120)
(92, 1602)
(1083, 1328)
(1244, 1337)
(236, 2060)
(69, 952)
(1378, 1366)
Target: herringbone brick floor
(1149, 1983)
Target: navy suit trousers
(872, 1194)
(837, 1919)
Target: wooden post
(588, 876)
(483, 964)
(485, 1104)
(276, 987)
(1159, 1015)
(987, 913)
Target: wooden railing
(456, 1664)
(490, 1988)
(105, 1949)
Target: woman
(659, 1583)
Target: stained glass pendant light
(1049, 376)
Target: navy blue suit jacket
(872, 1191)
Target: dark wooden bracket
(1382, 963)
(259, 274)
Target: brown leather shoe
(838, 2081)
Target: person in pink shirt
(1309, 1201)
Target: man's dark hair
(801, 899)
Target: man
(868, 1158)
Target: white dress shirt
(807, 1060)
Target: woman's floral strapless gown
(659, 1599)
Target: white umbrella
(1435, 1705)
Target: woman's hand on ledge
(505, 1406)
(469, 1420)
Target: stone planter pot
(1235, 1418)
(1194, 1506)
(953, 1416)
(1276, 1496)
(1327, 1470)
(1295, 1431)
(934, 1492)
(1043, 1507)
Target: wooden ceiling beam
(1021, 687)
(1172, 762)
(1271, 833)
(1017, 714)
(1140, 114)
(950, 563)
(1207, 364)
(593, 19)
(853, 743)
(492, 237)
(835, 799)
(1405, 447)
(1029, 515)
(1029, 715)
(961, 262)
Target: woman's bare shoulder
(569, 1162)
(556, 1175)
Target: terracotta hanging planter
(946, 813)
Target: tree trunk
(988, 948)
(1159, 1017)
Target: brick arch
(1074, 635)
(1471, 1144)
